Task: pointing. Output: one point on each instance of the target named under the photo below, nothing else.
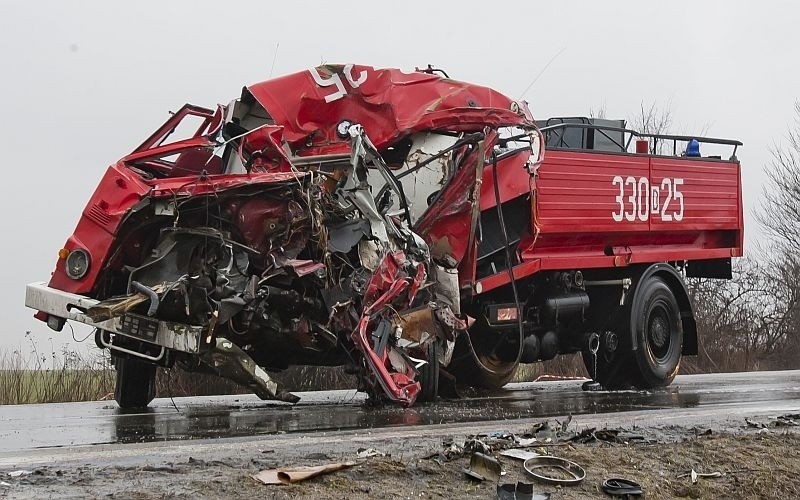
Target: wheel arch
(675, 281)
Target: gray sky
(84, 82)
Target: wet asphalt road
(26, 427)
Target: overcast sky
(83, 83)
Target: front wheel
(488, 371)
(429, 374)
(136, 383)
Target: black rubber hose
(509, 268)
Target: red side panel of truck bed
(595, 209)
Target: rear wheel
(136, 383)
(659, 334)
(656, 319)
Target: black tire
(429, 375)
(136, 383)
(471, 373)
(659, 334)
(613, 371)
(656, 319)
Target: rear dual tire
(655, 319)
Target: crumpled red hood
(388, 103)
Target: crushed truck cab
(420, 230)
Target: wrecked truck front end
(324, 218)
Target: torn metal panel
(409, 102)
(424, 172)
(229, 361)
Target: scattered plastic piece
(3, 483)
(290, 475)
(696, 475)
(369, 453)
(519, 491)
(620, 487)
(20, 473)
(536, 467)
(518, 454)
(484, 468)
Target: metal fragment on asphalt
(484, 468)
(519, 491)
(536, 466)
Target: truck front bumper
(70, 306)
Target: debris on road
(554, 470)
(542, 435)
(218, 475)
(484, 467)
(3, 483)
(20, 473)
(696, 475)
(369, 453)
(617, 436)
(290, 475)
(754, 424)
(785, 420)
(620, 487)
(519, 491)
(519, 454)
(788, 420)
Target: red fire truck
(416, 229)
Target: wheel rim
(659, 332)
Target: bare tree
(652, 119)
(753, 321)
(779, 215)
(780, 202)
(600, 112)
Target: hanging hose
(509, 269)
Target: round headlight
(77, 263)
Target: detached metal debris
(542, 469)
(483, 467)
(519, 491)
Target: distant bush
(40, 377)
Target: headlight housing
(77, 263)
